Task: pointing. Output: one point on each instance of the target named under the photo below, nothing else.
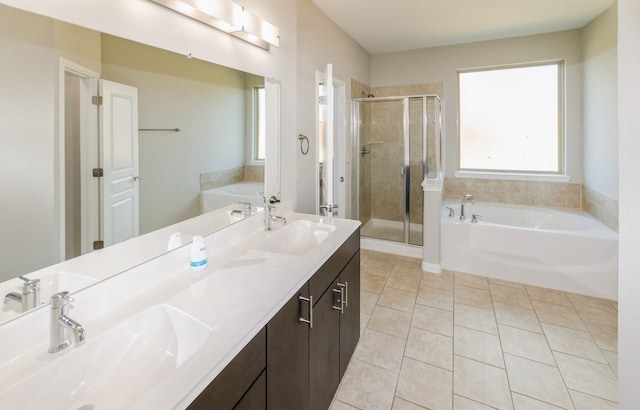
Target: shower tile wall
(357, 89)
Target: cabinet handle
(301, 319)
(341, 292)
(346, 292)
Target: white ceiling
(393, 25)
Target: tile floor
(460, 341)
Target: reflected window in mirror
(259, 129)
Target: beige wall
(629, 239)
(206, 101)
(31, 46)
(441, 63)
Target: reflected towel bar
(160, 129)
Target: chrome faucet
(270, 206)
(29, 295)
(464, 200)
(246, 212)
(62, 325)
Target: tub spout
(466, 198)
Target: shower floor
(391, 231)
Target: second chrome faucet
(63, 328)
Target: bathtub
(547, 247)
(232, 194)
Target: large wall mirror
(199, 126)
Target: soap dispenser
(198, 254)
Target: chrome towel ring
(303, 139)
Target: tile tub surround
(600, 206)
(458, 341)
(540, 193)
(246, 173)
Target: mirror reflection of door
(86, 214)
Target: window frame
(561, 136)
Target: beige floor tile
(526, 344)
(527, 403)
(517, 316)
(390, 321)
(548, 295)
(587, 402)
(366, 386)
(400, 404)
(433, 319)
(510, 295)
(578, 299)
(397, 299)
(537, 380)
(574, 342)
(462, 403)
(472, 296)
(368, 302)
(425, 385)
(558, 315)
(377, 267)
(438, 298)
(606, 336)
(431, 348)
(477, 345)
(338, 405)
(587, 376)
(442, 280)
(405, 280)
(481, 382)
(475, 318)
(381, 349)
(473, 281)
(372, 283)
(604, 312)
(364, 320)
(503, 282)
(612, 359)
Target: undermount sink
(115, 369)
(296, 238)
(49, 285)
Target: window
(258, 124)
(511, 119)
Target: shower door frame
(406, 166)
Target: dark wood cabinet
(350, 319)
(227, 390)
(288, 354)
(297, 361)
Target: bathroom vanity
(270, 323)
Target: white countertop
(240, 290)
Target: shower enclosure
(398, 142)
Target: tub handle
(475, 218)
(452, 212)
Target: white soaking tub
(232, 194)
(548, 247)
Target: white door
(325, 142)
(119, 142)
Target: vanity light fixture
(229, 17)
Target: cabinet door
(255, 397)
(288, 355)
(350, 319)
(228, 388)
(324, 349)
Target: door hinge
(98, 172)
(96, 100)
(98, 245)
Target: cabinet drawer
(226, 390)
(332, 267)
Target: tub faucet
(29, 295)
(270, 206)
(62, 325)
(464, 200)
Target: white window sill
(513, 176)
